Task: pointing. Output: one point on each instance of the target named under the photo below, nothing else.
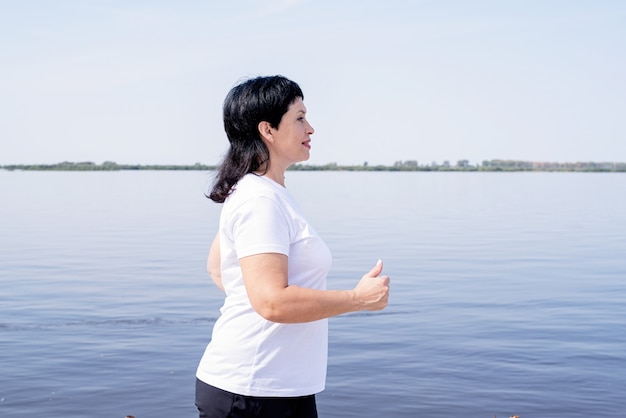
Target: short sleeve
(260, 226)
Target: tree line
(105, 166)
(406, 165)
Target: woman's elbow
(214, 272)
(216, 276)
(272, 312)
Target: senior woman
(268, 353)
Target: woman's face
(292, 141)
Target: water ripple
(117, 322)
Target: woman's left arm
(266, 282)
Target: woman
(268, 352)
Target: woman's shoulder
(254, 195)
(252, 187)
(255, 184)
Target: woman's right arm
(213, 264)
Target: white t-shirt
(248, 354)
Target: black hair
(246, 105)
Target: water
(508, 292)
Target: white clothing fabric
(249, 355)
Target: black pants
(217, 403)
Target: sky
(143, 81)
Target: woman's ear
(265, 130)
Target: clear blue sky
(142, 81)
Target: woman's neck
(278, 177)
(274, 173)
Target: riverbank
(463, 165)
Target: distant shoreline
(411, 165)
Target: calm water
(508, 292)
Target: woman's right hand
(372, 291)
